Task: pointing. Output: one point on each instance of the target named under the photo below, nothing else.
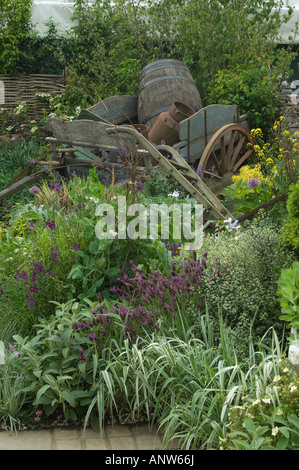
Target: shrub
(278, 156)
(254, 89)
(290, 229)
(267, 420)
(288, 293)
(246, 296)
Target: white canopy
(61, 12)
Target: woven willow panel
(23, 89)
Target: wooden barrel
(161, 83)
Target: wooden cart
(214, 141)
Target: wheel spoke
(237, 152)
(222, 148)
(242, 160)
(230, 150)
(218, 169)
(225, 149)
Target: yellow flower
(269, 161)
(256, 132)
(282, 118)
(247, 172)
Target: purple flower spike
(140, 186)
(50, 224)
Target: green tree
(15, 25)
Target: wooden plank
(116, 109)
(19, 185)
(86, 114)
(80, 152)
(94, 133)
(202, 126)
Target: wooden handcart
(213, 142)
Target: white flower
(231, 225)
(266, 400)
(274, 431)
(174, 194)
(277, 378)
(293, 388)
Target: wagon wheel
(226, 151)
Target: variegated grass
(183, 385)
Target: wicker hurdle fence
(17, 89)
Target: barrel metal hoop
(163, 67)
(169, 77)
(166, 62)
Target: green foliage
(246, 295)
(254, 88)
(268, 420)
(35, 48)
(14, 157)
(290, 230)
(160, 183)
(228, 35)
(288, 293)
(14, 27)
(13, 399)
(107, 46)
(243, 199)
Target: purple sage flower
(50, 224)
(55, 255)
(12, 348)
(25, 276)
(38, 267)
(31, 301)
(93, 336)
(140, 186)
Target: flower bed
(128, 329)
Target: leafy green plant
(290, 229)
(243, 197)
(288, 294)
(13, 399)
(268, 420)
(278, 156)
(253, 88)
(14, 27)
(246, 295)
